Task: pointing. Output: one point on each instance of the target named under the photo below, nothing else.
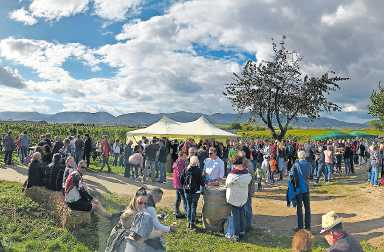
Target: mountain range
(142, 118)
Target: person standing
(374, 160)
(9, 146)
(299, 175)
(237, 194)
(328, 157)
(87, 149)
(57, 145)
(162, 159)
(128, 151)
(213, 167)
(150, 160)
(116, 147)
(24, 146)
(348, 159)
(191, 180)
(79, 145)
(105, 152)
(177, 169)
(336, 237)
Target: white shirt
(116, 148)
(214, 168)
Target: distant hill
(142, 118)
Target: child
(259, 178)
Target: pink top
(178, 167)
(328, 157)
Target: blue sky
(164, 56)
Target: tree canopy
(376, 106)
(277, 91)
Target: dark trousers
(180, 196)
(105, 162)
(87, 157)
(127, 170)
(191, 199)
(303, 199)
(8, 157)
(238, 219)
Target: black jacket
(88, 145)
(196, 179)
(35, 174)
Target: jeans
(115, 158)
(347, 164)
(321, 169)
(77, 156)
(23, 154)
(150, 170)
(229, 232)
(180, 196)
(105, 162)
(238, 219)
(303, 198)
(161, 166)
(361, 160)
(8, 157)
(191, 200)
(248, 214)
(87, 157)
(127, 170)
(373, 172)
(329, 168)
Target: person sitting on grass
(237, 195)
(154, 196)
(337, 238)
(302, 241)
(70, 166)
(192, 180)
(54, 173)
(117, 238)
(76, 195)
(35, 171)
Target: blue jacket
(300, 174)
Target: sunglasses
(141, 192)
(211, 153)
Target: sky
(123, 56)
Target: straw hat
(329, 221)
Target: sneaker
(179, 216)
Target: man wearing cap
(337, 238)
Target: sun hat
(329, 221)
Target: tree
(277, 91)
(377, 124)
(376, 106)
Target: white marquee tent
(166, 126)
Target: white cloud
(158, 68)
(22, 15)
(115, 10)
(10, 78)
(345, 12)
(54, 10)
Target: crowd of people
(242, 166)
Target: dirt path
(360, 207)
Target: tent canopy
(332, 135)
(168, 127)
(362, 134)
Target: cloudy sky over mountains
(163, 56)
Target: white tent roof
(166, 126)
(163, 127)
